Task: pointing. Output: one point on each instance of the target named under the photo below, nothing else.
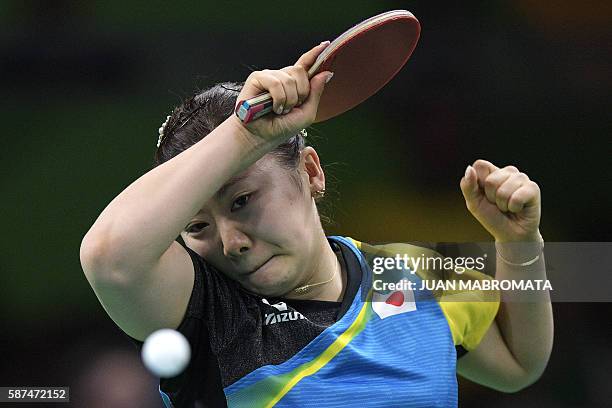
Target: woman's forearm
(525, 319)
(136, 228)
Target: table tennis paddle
(363, 59)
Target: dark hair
(200, 114)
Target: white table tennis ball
(166, 353)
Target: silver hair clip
(161, 130)
(304, 133)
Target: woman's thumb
(469, 187)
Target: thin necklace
(306, 288)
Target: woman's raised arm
(140, 274)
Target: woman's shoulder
(391, 248)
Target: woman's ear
(311, 164)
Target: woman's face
(261, 229)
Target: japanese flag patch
(395, 302)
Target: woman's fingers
(301, 81)
(269, 81)
(290, 85)
(526, 195)
(507, 189)
(495, 179)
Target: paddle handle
(251, 109)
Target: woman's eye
(195, 228)
(240, 202)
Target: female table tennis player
(277, 313)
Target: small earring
(319, 194)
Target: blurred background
(86, 85)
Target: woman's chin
(272, 279)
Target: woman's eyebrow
(231, 182)
(224, 188)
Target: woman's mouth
(260, 266)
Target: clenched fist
(505, 201)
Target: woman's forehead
(263, 168)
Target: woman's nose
(235, 242)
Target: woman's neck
(327, 281)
